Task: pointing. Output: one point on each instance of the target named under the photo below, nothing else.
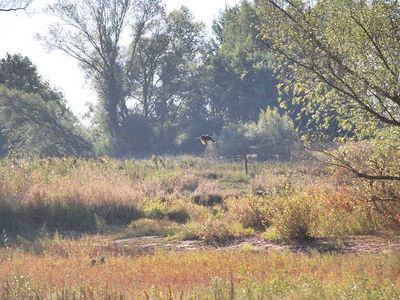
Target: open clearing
(191, 229)
(382, 243)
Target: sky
(18, 30)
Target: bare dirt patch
(378, 243)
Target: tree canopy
(14, 5)
(337, 56)
(34, 117)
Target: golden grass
(69, 194)
(182, 198)
(184, 271)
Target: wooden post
(245, 164)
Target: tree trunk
(111, 96)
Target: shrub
(215, 231)
(378, 156)
(8, 220)
(154, 208)
(136, 134)
(148, 227)
(272, 137)
(233, 140)
(179, 215)
(247, 211)
(295, 217)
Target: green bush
(295, 217)
(179, 215)
(272, 137)
(150, 227)
(233, 140)
(154, 209)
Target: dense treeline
(158, 93)
(280, 63)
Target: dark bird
(205, 138)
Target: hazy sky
(18, 30)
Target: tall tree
(91, 32)
(161, 60)
(14, 5)
(145, 78)
(34, 117)
(244, 82)
(342, 56)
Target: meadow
(74, 229)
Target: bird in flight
(205, 138)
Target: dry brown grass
(128, 199)
(66, 265)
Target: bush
(378, 156)
(179, 215)
(247, 211)
(233, 140)
(154, 209)
(136, 134)
(272, 137)
(215, 231)
(295, 218)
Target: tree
(162, 60)
(91, 33)
(14, 5)
(147, 77)
(341, 55)
(34, 117)
(241, 78)
(18, 72)
(32, 127)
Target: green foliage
(337, 59)
(34, 117)
(242, 84)
(233, 140)
(33, 126)
(370, 160)
(136, 135)
(154, 209)
(273, 136)
(19, 73)
(145, 84)
(295, 218)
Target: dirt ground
(377, 243)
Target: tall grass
(65, 268)
(298, 200)
(181, 198)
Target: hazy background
(18, 32)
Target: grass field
(72, 230)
